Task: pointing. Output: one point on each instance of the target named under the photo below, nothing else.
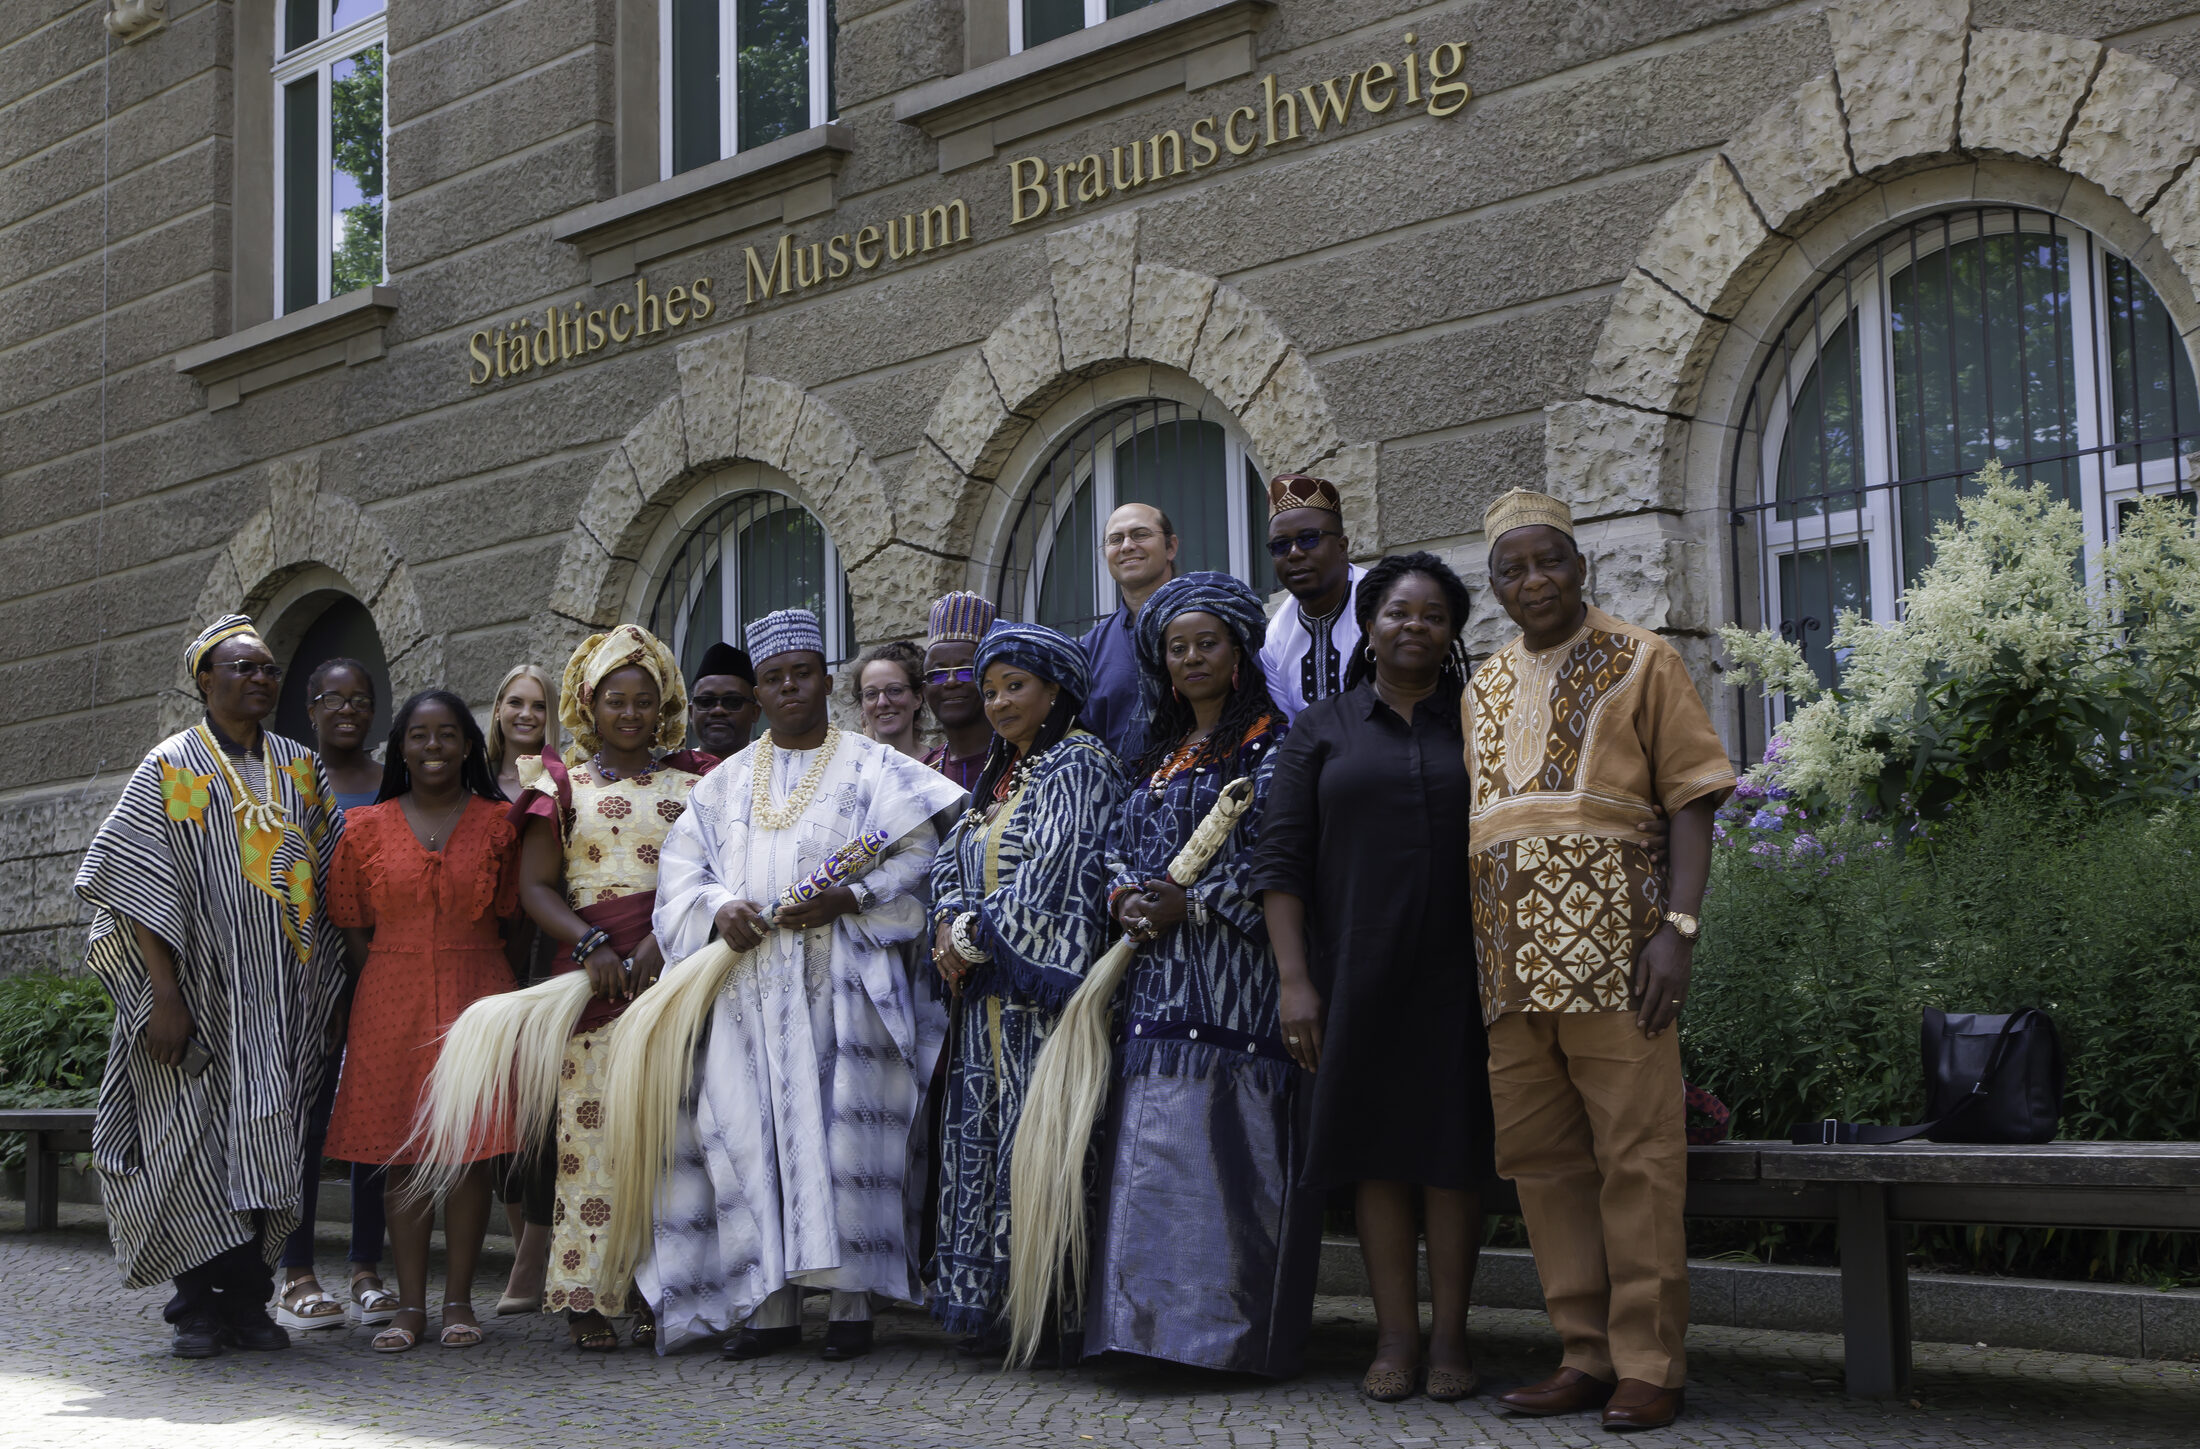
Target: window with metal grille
(740, 73)
(755, 552)
(1982, 333)
(329, 140)
(1189, 466)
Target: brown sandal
(1387, 1386)
(594, 1340)
(1449, 1386)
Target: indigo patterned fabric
(1036, 875)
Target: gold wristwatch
(1683, 923)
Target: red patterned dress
(436, 951)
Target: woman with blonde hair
(523, 720)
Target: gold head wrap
(597, 657)
(1523, 508)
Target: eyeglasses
(1130, 535)
(964, 675)
(251, 669)
(722, 701)
(1305, 542)
(894, 693)
(338, 703)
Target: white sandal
(459, 1335)
(299, 1316)
(374, 1305)
(396, 1340)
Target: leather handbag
(1987, 1079)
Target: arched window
(1989, 332)
(1190, 466)
(757, 551)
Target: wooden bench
(48, 1132)
(1871, 1193)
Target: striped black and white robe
(186, 1162)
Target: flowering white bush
(2004, 655)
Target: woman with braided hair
(1362, 862)
(1205, 1244)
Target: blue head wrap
(1228, 599)
(1054, 657)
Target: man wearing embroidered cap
(209, 933)
(802, 1165)
(1312, 640)
(959, 621)
(1578, 733)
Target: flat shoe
(844, 1341)
(751, 1343)
(1569, 1391)
(1637, 1404)
(510, 1304)
(1387, 1386)
(458, 1335)
(1449, 1386)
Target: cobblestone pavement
(88, 1367)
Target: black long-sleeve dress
(1367, 824)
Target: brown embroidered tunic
(1568, 750)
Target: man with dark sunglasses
(959, 620)
(722, 709)
(1310, 643)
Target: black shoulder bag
(1987, 1079)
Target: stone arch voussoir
(304, 527)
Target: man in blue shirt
(1140, 546)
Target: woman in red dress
(421, 881)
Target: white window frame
(821, 76)
(2103, 483)
(835, 618)
(318, 59)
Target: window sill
(343, 331)
(781, 182)
(1175, 45)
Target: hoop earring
(1369, 651)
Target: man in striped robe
(209, 932)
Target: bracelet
(959, 936)
(586, 946)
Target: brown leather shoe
(1639, 1405)
(1569, 1391)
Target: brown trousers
(1592, 1129)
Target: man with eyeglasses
(959, 620)
(722, 709)
(1139, 543)
(1310, 643)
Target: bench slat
(2050, 1164)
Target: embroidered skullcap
(784, 632)
(1287, 491)
(1227, 598)
(1524, 508)
(1056, 658)
(723, 658)
(221, 631)
(959, 617)
(598, 657)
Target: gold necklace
(450, 818)
(766, 816)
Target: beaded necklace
(766, 816)
(254, 815)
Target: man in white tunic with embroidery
(802, 1165)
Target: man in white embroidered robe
(802, 1165)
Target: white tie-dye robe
(802, 1161)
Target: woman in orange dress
(421, 882)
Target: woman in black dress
(1363, 866)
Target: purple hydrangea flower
(1764, 820)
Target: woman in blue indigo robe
(1019, 912)
(1205, 1244)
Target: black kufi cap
(723, 658)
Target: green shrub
(53, 1046)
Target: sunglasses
(249, 669)
(965, 675)
(1305, 542)
(722, 701)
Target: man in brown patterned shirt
(1578, 732)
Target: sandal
(304, 1312)
(645, 1329)
(594, 1340)
(397, 1339)
(1388, 1386)
(458, 1335)
(1449, 1386)
(375, 1305)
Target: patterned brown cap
(1287, 491)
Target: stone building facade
(1431, 251)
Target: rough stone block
(1607, 460)
(1653, 349)
(613, 503)
(2021, 88)
(929, 501)
(2137, 127)
(1237, 349)
(1168, 308)
(1647, 576)
(821, 449)
(584, 571)
(770, 409)
(1289, 420)
(1709, 246)
(857, 509)
(1025, 356)
(896, 589)
(711, 371)
(1901, 69)
(1439, 490)
(1092, 268)
(293, 486)
(656, 447)
(1356, 471)
(970, 424)
(252, 551)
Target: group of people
(1445, 935)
